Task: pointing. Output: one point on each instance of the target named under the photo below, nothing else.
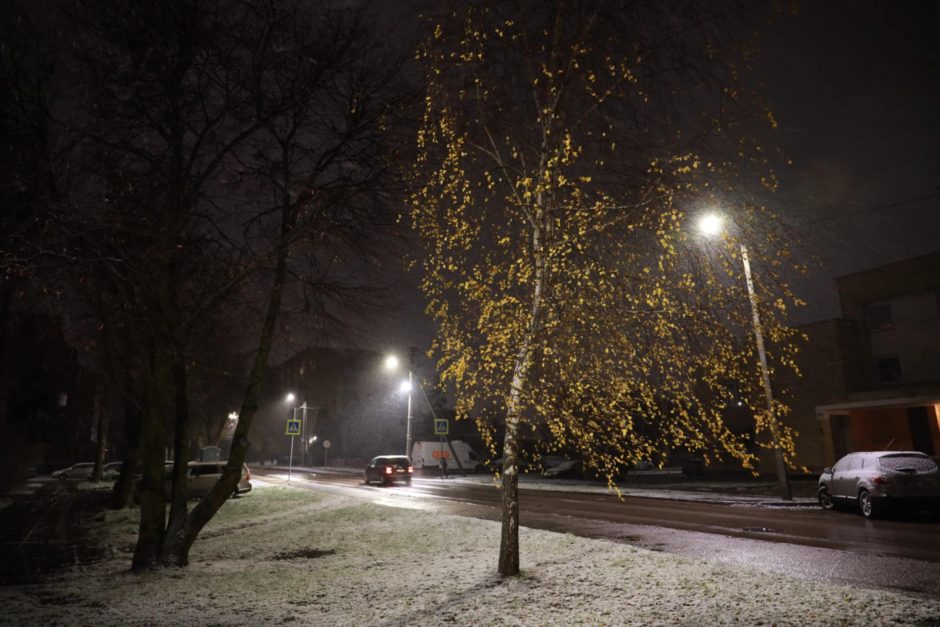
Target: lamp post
(710, 225)
(303, 428)
(290, 463)
(391, 363)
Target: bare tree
(233, 152)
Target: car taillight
(388, 470)
(882, 480)
(411, 469)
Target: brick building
(871, 379)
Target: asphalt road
(902, 553)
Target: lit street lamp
(391, 363)
(711, 225)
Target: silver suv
(875, 480)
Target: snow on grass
(379, 565)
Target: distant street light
(711, 224)
(392, 363)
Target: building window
(888, 369)
(879, 317)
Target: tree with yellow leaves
(564, 148)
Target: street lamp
(392, 363)
(711, 224)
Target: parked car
(387, 469)
(203, 475)
(81, 470)
(111, 471)
(567, 469)
(880, 479)
(200, 478)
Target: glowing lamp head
(405, 387)
(710, 224)
(391, 362)
(290, 397)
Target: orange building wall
(879, 429)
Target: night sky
(855, 88)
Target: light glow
(710, 224)
(405, 387)
(290, 397)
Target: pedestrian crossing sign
(440, 426)
(293, 427)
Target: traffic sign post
(292, 430)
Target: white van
(427, 454)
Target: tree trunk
(509, 499)
(123, 494)
(152, 498)
(177, 545)
(7, 293)
(509, 486)
(177, 520)
(101, 434)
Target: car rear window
(907, 463)
(396, 461)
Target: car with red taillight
(387, 469)
(878, 480)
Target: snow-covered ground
(290, 556)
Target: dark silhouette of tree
(233, 163)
